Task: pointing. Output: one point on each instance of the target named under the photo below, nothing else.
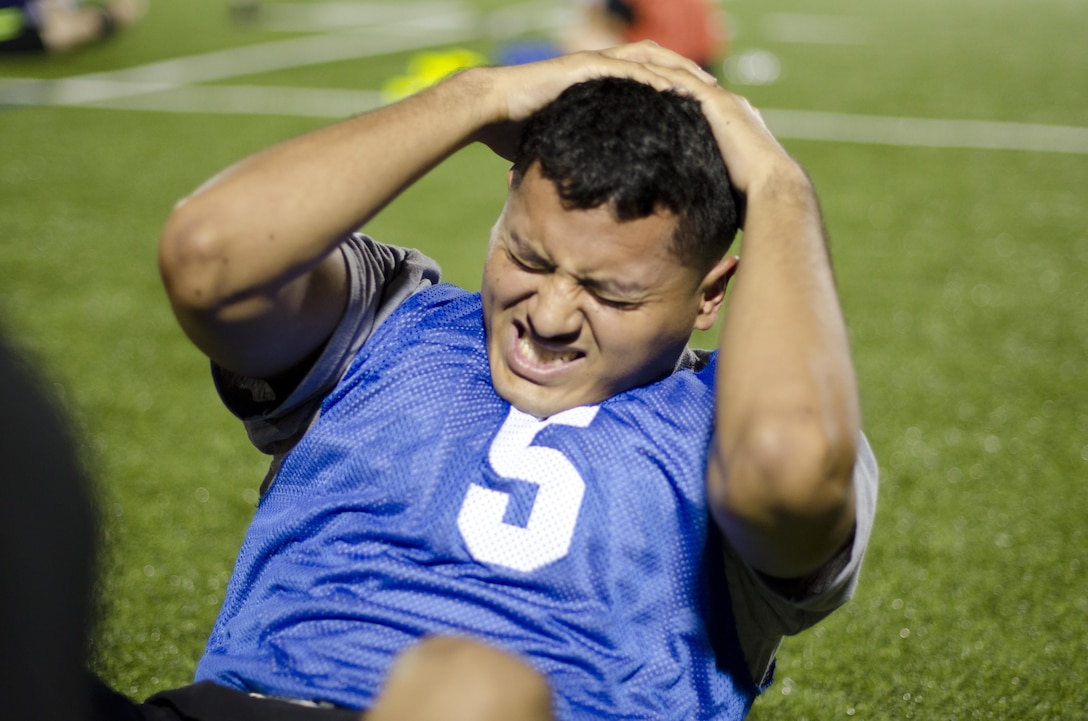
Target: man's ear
(712, 291)
(510, 178)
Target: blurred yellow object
(11, 23)
(426, 69)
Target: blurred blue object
(526, 51)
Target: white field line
(786, 124)
(332, 103)
(924, 132)
(72, 91)
(155, 77)
(296, 52)
(250, 100)
(168, 86)
(386, 28)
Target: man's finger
(651, 54)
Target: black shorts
(206, 701)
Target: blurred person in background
(695, 29)
(59, 26)
(692, 28)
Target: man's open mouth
(537, 355)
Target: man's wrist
(782, 181)
(779, 205)
(477, 88)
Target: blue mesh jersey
(422, 503)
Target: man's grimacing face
(579, 307)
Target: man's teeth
(534, 353)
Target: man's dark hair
(620, 142)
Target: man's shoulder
(696, 359)
(387, 274)
(430, 310)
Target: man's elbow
(192, 263)
(785, 493)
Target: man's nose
(554, 311)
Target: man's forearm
(277, 213)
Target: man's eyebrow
(524, 249)
(614, 287)
(611, 287)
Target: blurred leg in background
(59, 26)
(47, 550)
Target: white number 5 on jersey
(547, 535)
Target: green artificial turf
(962, 275)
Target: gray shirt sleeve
(380, 277)
(765, 612)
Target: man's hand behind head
(518, 91)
